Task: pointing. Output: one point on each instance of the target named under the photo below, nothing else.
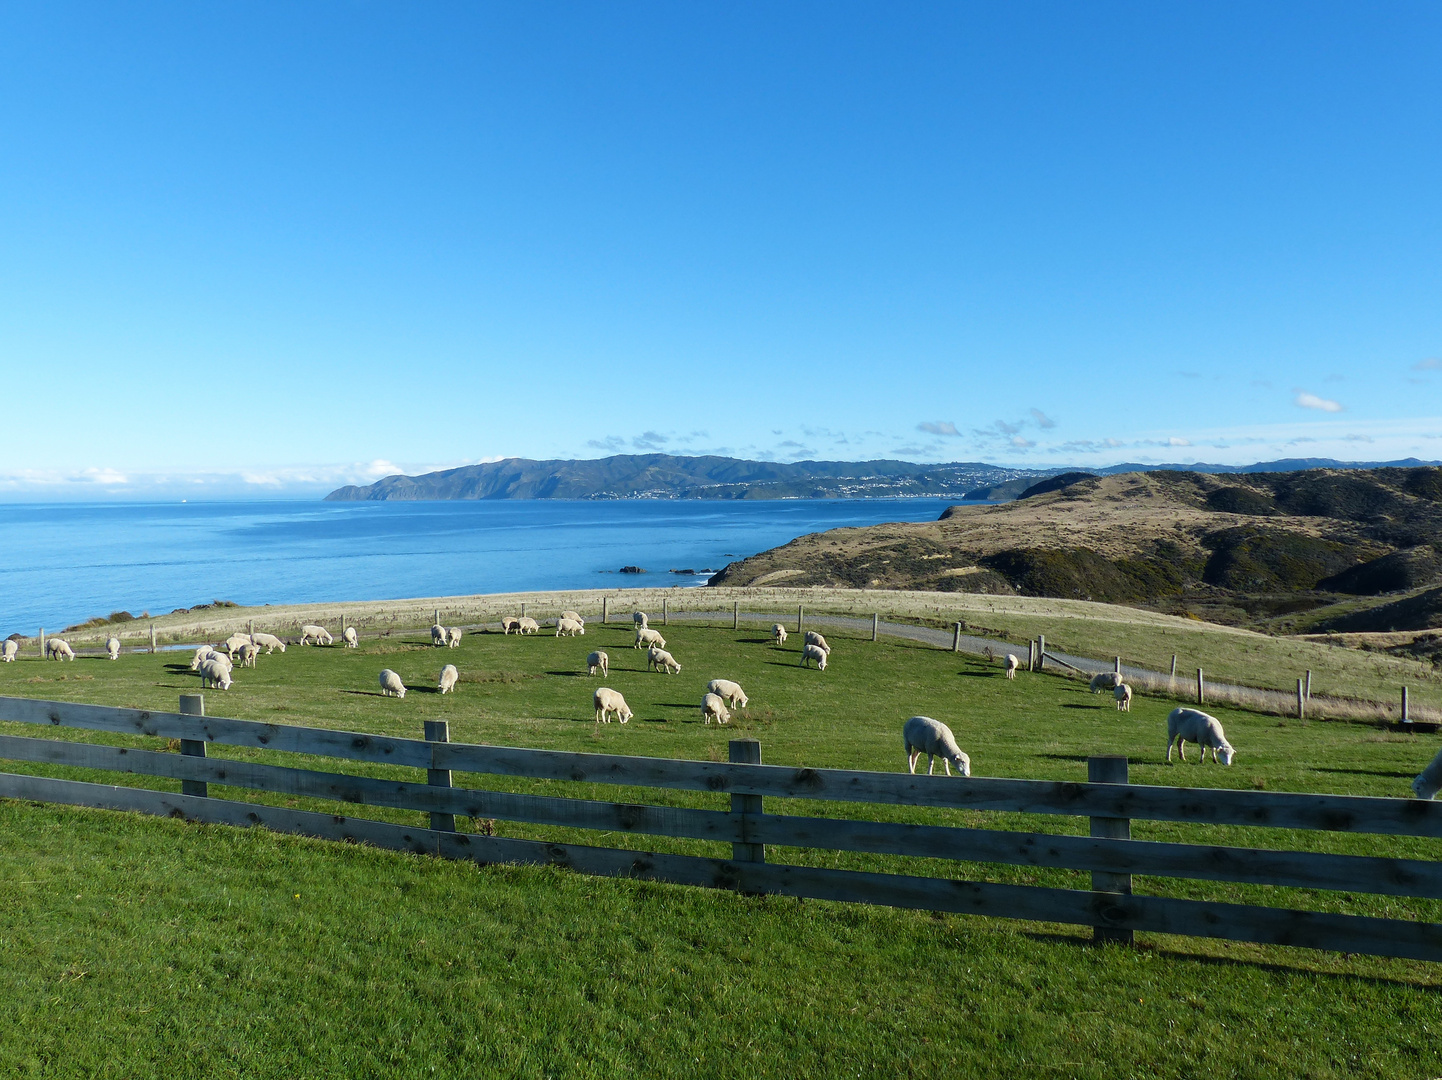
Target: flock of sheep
(921, 734)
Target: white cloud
(98, 476)
(1020, 443)
(938, 427)
(1043, 421)
(1312, 401)
(1007, 429)
(1174, 441)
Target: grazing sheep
(509, 623)
(569, 628)
(661, 660)
(527, 625)
(233, 643)
(813, 638)
(814, 652)
(9, 650)
(712, 705)
(1107, 680)
(320, 633)
(112, 647)
(598, 661)
(923, 735)
(55, 649)
(573, 617)
(1123, 694)
(607, 702)
(202, 654)
(1012, 663)
(221, 659)
(639, 618)
(447, 682)
(1429, 780)
(269, 641)
(778, 634)
(454, 636)
(248, 652)
(728, 691)
(350, 637)
(391, 684)
(648, 637)
(438, 635)
(215, 673)
(1193, 725)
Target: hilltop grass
(140, 947)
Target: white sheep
(391, 684)
(712, 705)
(215, 673)
(454, 637)
(1123, 694)
(661, 660)
(639, 619)
(269, 641)
(1012, 663)
(607, 702)
(573, 616)
(527, 625)
(319, 633)
(778, 634)
(813, 638)
(438, 635)
(1193, 725)
(646, 637)
(350, 638)
(1429, 780)
(248, 652)
(9, 650)
(509, 623)
(1107, 680)
(112, 647)
(598, 661)
(221, 659)
(814, 652)
(728, 691)
(55, 649)
(447, 682)
(202, 654)
(233, 643)
(923, 735)
(569, 628)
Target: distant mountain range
(664, 476)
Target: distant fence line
(1301, 703)
(1107, 799)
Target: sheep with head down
(814, 653)
(646, 636)
(598, 661)
(638, 619)
(661, 660)
(55, 649)
(527, 625)
(1107, 680)
(391, 684)
(215, 673)
(9, 650)
(1012, 663)
(1192, 725)
(448, 678)
(712, 707)
(608, 702)
(439, 635)
(509, 623)
(269, 641)
(1429, 780)
(727, 691)
(778, 634)
(569, 628)
(350, 638)
(454, 636)
(320, 635)
(112, 648)
(1123, 696)
(923, 735)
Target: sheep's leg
(946, 765)
(911, 758)
(930, 763)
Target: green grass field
(139, 947)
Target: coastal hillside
(665, 476)
(1277, 550)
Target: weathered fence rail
(1110, 906)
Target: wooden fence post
(735, 615)
(193, 705)
(1301, 701)
(875, 624)
(439, 731)
(42, 643)
(1309, 686)
(1174, 665)
(1117, 667)
(1201, 688)
(956, 638)
(605, 608)
(1110, 770)
(1031, 655)
(665, 611)
(746, 752)
(1406, 717)
(152, 639)
(800, 618)
(1040, 652)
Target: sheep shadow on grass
(365, 693)
(568, 674)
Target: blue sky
(272, 248)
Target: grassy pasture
(141, 947)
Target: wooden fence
(1107, 799)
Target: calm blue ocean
(62, 563)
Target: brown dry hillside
(1238, 548)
